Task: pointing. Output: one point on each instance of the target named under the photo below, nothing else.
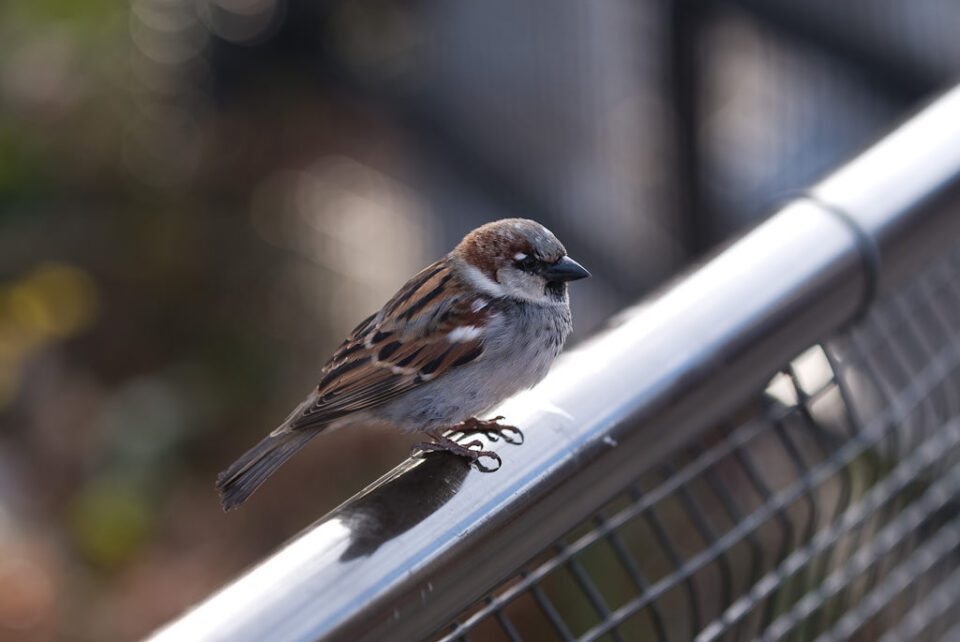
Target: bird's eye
(528, 263)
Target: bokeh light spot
(56, 301)
(110, 522)
(26, 593)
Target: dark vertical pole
(684, 29)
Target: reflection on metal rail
(397, 561)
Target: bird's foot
(492, 429)
(471, 450)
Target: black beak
(566, 269)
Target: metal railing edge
(403, 557)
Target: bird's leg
(492, 429)
(441, 443)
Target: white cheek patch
(480, 281)
(464, 333)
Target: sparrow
(481, 324)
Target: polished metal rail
(400, 559)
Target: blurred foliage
(51, 303)
(80, 15)
(110, 523)
(161, 287)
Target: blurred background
(200, 198)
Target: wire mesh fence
(824, 511)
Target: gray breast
(517, 354)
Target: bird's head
(518, 258)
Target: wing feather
(404, 346)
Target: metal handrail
(401, 558)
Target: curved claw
(492, 430)
(518, 437)
(481, 454)
(471, 451)
(492, 455)
(510, 434)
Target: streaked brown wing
(405, 345)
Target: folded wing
(428, 328)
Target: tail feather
(245, 475)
